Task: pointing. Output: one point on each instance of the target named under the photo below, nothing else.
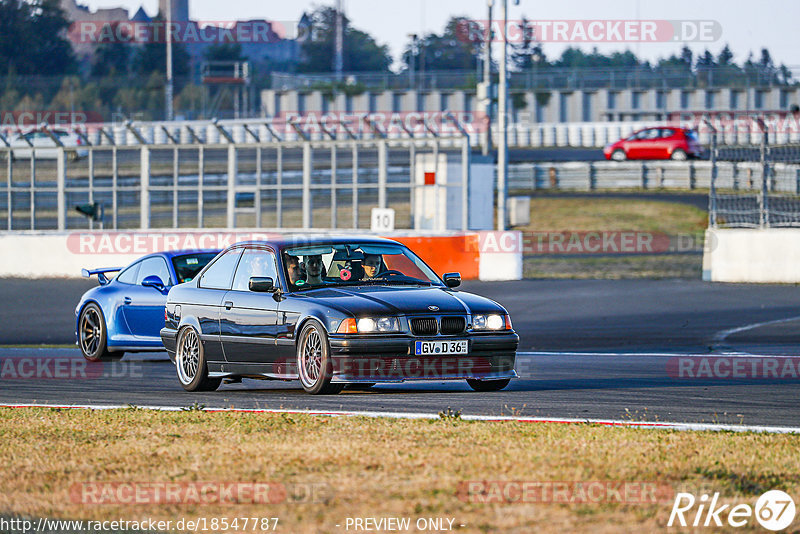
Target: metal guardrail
(521, 133)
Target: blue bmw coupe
(126, 312)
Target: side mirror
(262, 284)
(154, 282)
(452, 279)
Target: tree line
(40, 69)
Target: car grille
(424, 326)
(453, 325)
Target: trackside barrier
(770, 255)
(476, 255)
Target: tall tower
(180, 10)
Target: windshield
(187, 266)
(342, 264)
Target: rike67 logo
(774, 510)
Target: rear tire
(487, 385)
(314, 363)
(619, 155)
(190, 363)
(93, 335)
(679, 155)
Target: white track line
(659, 425)
(719, 337)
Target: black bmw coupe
(333, 312)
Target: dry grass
(374, 467)
(586, 214)
(599, 214)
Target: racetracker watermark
(585, 242)
(51, 117)
(564, 492)
(591, 31)
(147, 242)
(188, 32)
(734, 367)
(191, 493)
(65, 368)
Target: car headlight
(489, 322)
(369, 325)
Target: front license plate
(425, 348)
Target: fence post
(644, 176)
(797, 182)
(61, 187)
(764, 198)
(355, 184)
(465, 174)
(200, 184)
(712, 189)
(306, 184)
(279, 185)
(233, 170)
(692, 176)
(382, 171)
(333, 185)
(592, 176)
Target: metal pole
(764, 208)
(306, 185)
(61, 187)
(382, 173)
(233, 170)
(339, 51)
(487, 80)
(466, 152)
(168, 90)
(502, 153)
(144, 195)
(712, 193)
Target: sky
(745, 25)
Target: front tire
(487, 385)
(190, 363)
(93, 335)
(619, 155)
(314, 363)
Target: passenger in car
(314, 269)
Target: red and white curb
(657, 425)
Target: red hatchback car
(662, 142)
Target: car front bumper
(490, 356)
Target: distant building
(265, 47)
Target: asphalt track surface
(589, 350)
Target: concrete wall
(749, 255)
(624, 108)
(477, 255)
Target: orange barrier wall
(447, 253)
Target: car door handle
(228, 304)
(127, 300)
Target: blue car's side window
(128, 276)
(154, 266)
(220, 274)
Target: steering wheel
(390, 272)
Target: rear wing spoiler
(101, 274)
